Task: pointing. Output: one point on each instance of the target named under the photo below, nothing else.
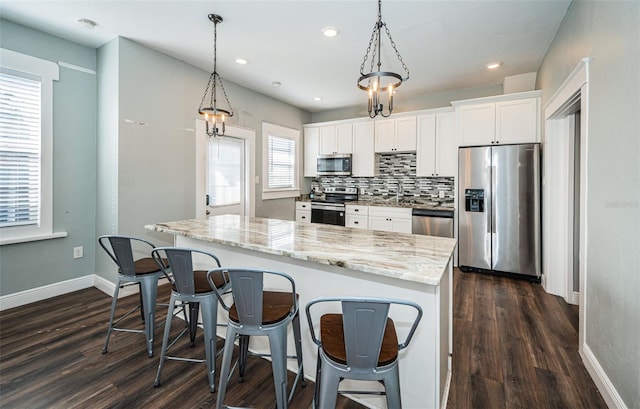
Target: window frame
(282, 132)
(47, 72)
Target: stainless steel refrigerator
(499, 216)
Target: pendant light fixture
(214, 116)
(377, 82)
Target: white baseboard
(42, 293)
(64, 287)
(600, 378)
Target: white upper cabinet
(336, 139)
(517, 121)
(437, 147)
(363, 160)
(311, 150)
(396, 135)
(504, 119)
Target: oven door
(327, 214)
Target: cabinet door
(446, 146)
(380, 223)
(344, 138)
(517, 121)
(311, 150)
(405, 133)
(363, 160)
(401, 225)
(328, 143)
(385, 136)
(426, 144)
(476, 124)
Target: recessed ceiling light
(276, 84)
(493, 65)
(242, 61)
(86, 23)
(317, 98)
(330, 31)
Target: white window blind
(282, 160)
(20, 150)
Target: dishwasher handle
(433, 213)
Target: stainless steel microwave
(339, 165)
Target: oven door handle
(327, 207)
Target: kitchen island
(327, 260)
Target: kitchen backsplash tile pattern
(396, 171)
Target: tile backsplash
(397, 170)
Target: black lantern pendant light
(378, 82)
(214, 116)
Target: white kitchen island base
(424, 365)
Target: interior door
(226, 176)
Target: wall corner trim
(602, 381)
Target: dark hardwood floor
(514, 347)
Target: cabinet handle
(355, 222)
(356, 210)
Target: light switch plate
(78, 252)
(441, 194)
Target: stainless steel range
(329, 208)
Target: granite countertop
(417, 258)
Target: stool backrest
(364, 321)
(248, 287)
(363, 327)
(181, 266)
(120, 250)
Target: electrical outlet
(441, 194)
(78, 252)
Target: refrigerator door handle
(494, 171)
(488, 206)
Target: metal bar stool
(361, 343)
(192, 287)
(266, 313)
(143, 272)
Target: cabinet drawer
(357, 221)
(357, 210)
(303, 206)
(391, 212)
(303, 216)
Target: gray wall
(34, 264)
(148, 170)
(406, 104)
(610, 33)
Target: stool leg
(209, 322)
(194, 307)
(165, 339)
(114, 302)
(149, 286)
(298, 341)
(226, 365)
(243, 351)
(316, 391)
(278, 346)
(329, 381)
(392, 388)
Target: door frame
(558, 211)
(201, 149)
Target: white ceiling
(445, 44)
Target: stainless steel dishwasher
(432, 222)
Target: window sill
(280, 194)
(26, 239)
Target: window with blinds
(20, 150)
(280, 161)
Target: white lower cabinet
(357, 216)
(392, 219)
(303, 212)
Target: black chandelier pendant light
(214, 116)
(377, 82)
